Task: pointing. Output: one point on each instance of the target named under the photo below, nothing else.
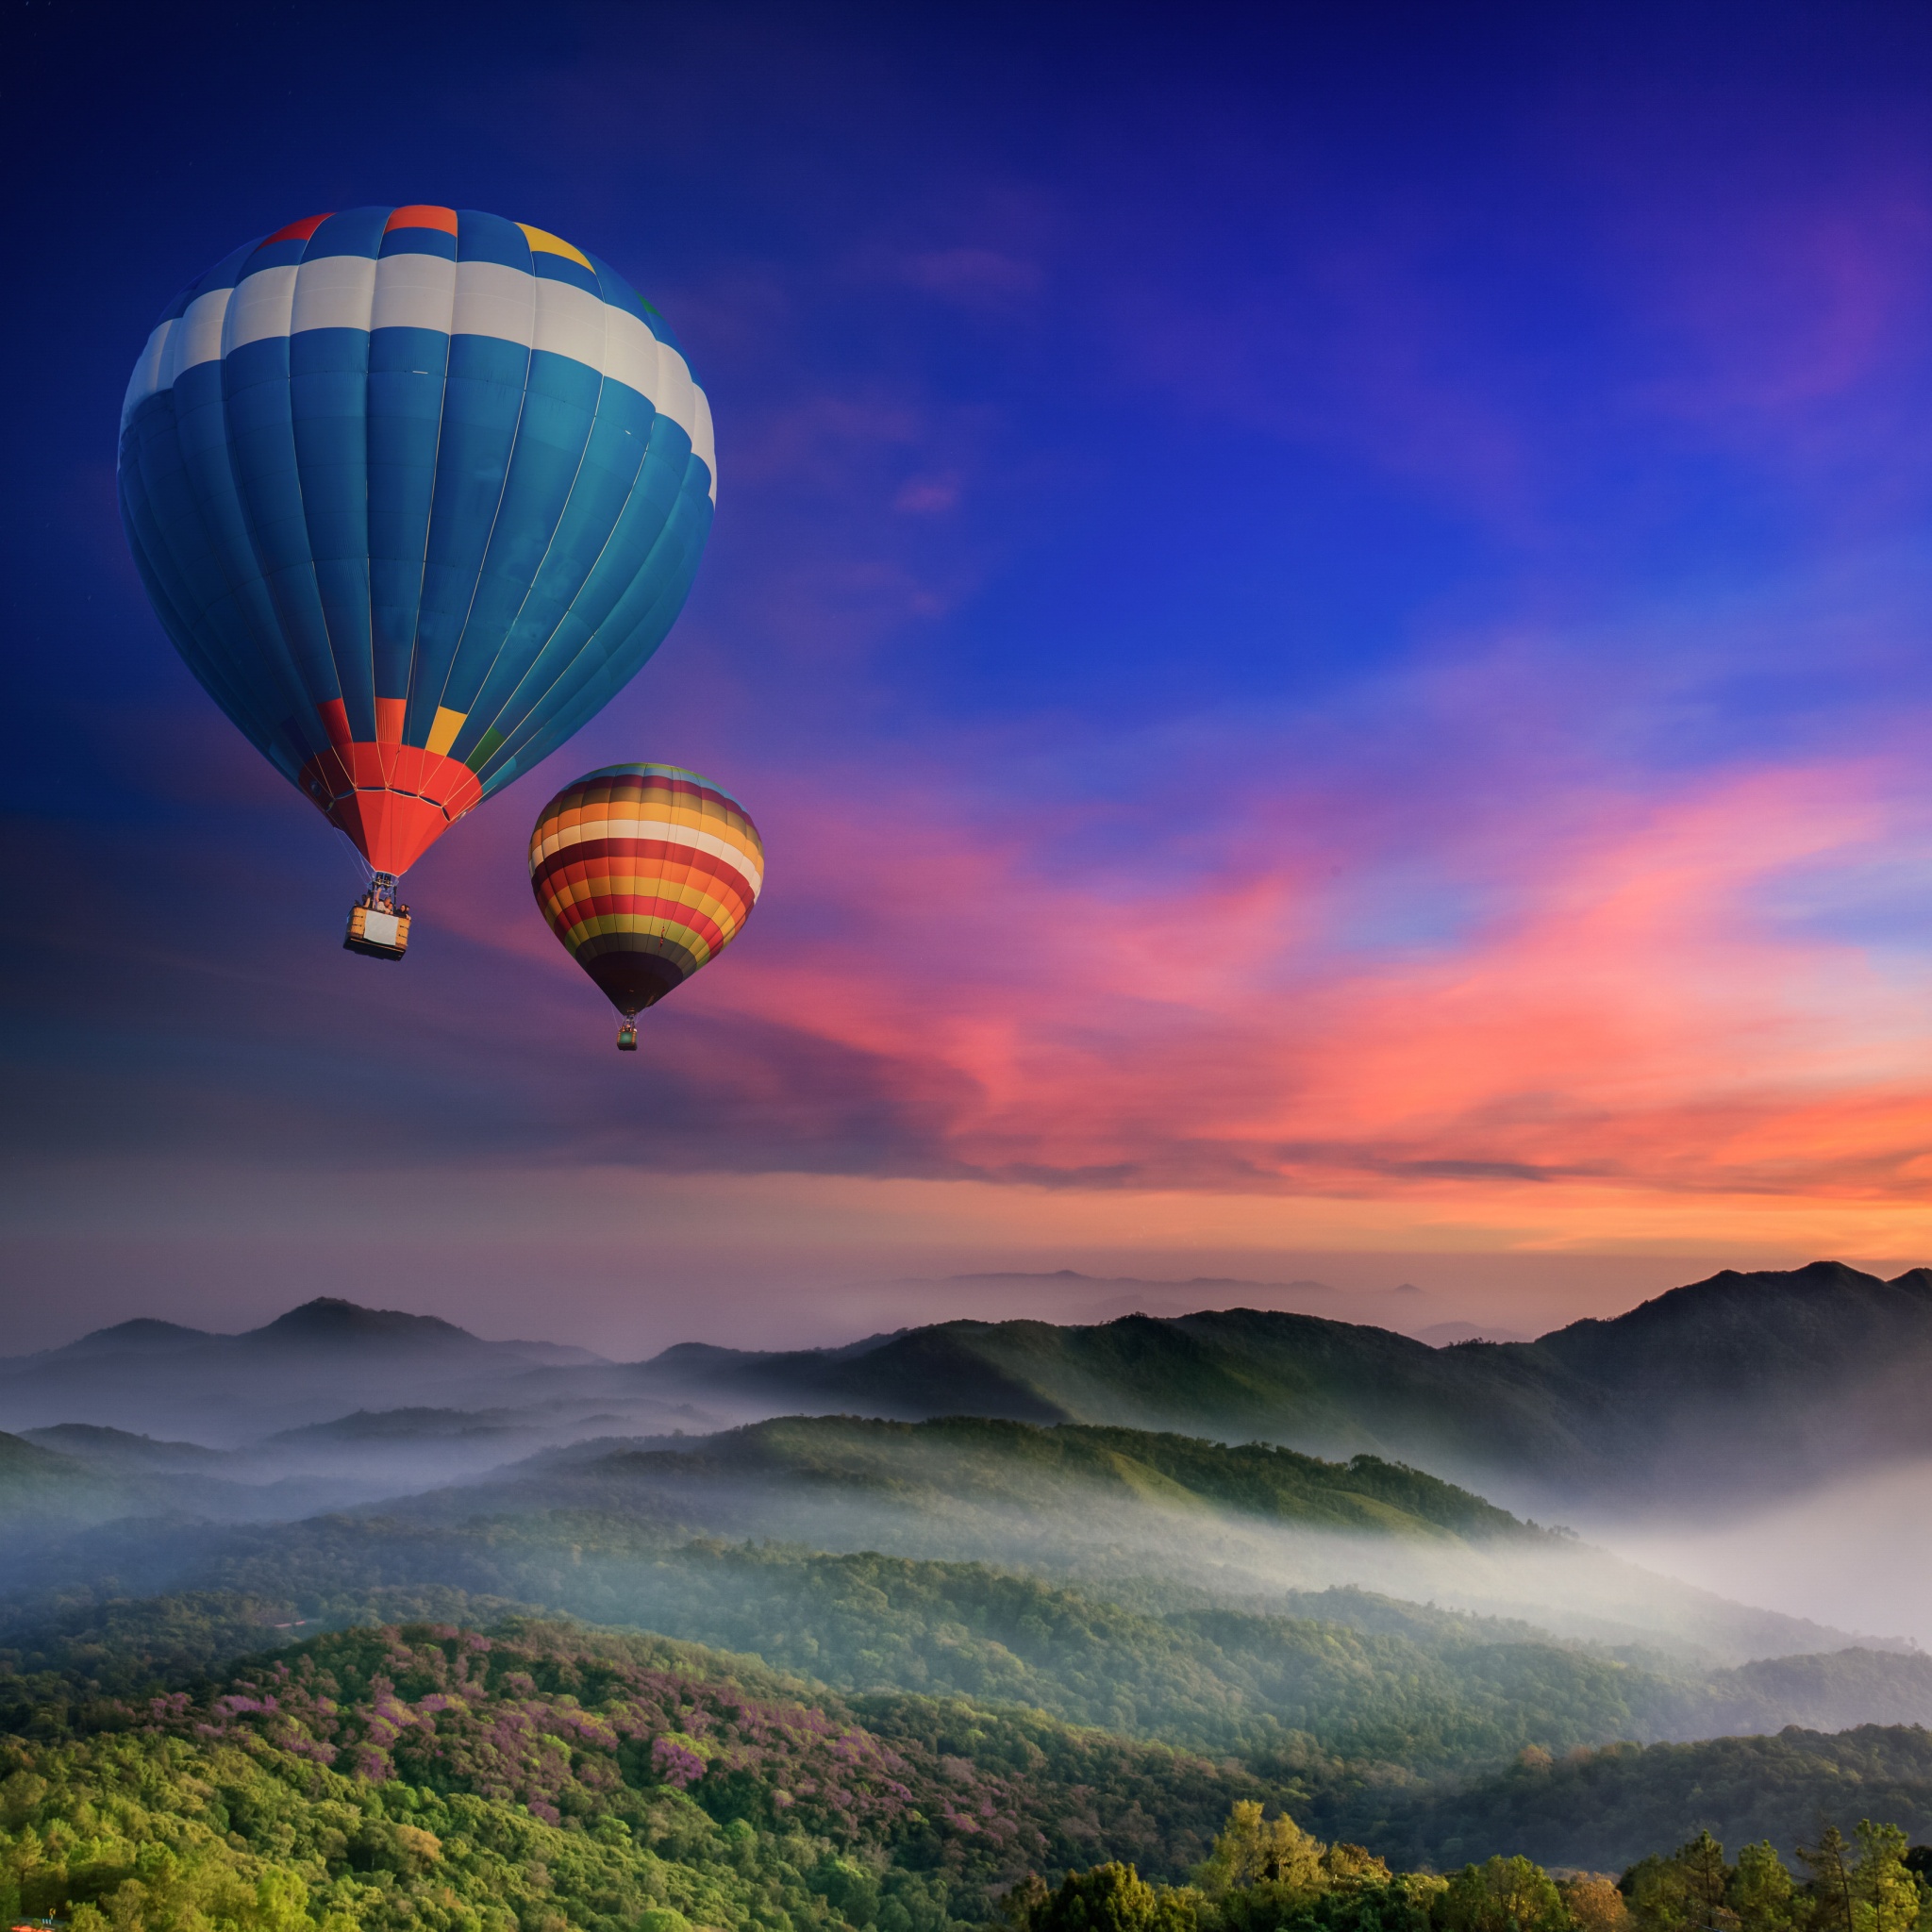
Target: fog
(1693, 1590)
(1136, 1537)
(328, 1409)
(1851, 1552)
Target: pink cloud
(1614, 1008)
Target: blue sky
(1324, 615)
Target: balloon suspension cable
(350, 850)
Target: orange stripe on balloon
(422, 214)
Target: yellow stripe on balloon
(546, 243)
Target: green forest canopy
(535, 1778)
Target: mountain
(1740, 1386)
(962, 1469)
(95, 1476)
(144, 1334)
(41, 1486)
(1163, 1522)
(1214, 1597)
(310, 1365)
(331, 1323)
(1050, 1594)
(122, 1450)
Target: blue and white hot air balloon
(415, 491)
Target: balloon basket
(379, 922)
(628, 1037)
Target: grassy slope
(971, 1464)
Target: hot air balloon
(415, 490)
(645, 872)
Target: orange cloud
(1627, 1018)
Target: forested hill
(572, 1750)
(1409, 1689)
(1590, 1808)
(532, 1773)
(1742, 1382)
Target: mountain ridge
(1742, 1385)
(311, 1364)
(1745, 1374)
(323, 1317)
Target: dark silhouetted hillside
(1743, 1383)
(310, 1365)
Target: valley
(1116, 1632)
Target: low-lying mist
(1242, 1600)
(1853, 1552)
(925, 1494)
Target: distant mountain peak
(329, 1318)
(144, 1332)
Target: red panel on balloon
(394, 801)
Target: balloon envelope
(645, 872)
(415, 490)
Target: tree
(1761, 1890)
(1596, 1902)
(1503, 1895)
(1023, 1901)
(1831, 1883)
(1658, 1894)
(1252, 1850)
(1424, 1890)
(1349, 1868)
(1109, 1898)
(1706, 1880)
(1684, 1893)
(1885, 1895)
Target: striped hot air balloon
(645, 872)
(415, 490)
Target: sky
(1321, 611)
